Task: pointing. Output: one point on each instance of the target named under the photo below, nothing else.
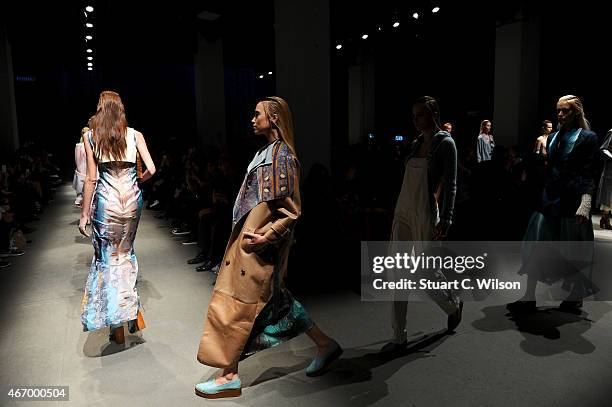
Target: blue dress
(110, 296)
(570, 174)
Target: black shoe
(200, 258)
(207, 266)
(572, 307)
(394, 348)
(522, 307)
(14, 252)
(455, 318)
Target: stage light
(396, 24)
(339, 46)
(269, 72)
(364, 37)
(89, 9)
(89, 50)
(89, 64)
(89, 25)
(260, 76)
(90, 58)
(88, 37)
(435, 9)
(90, 69)
(415, 16)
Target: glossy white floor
(557, 359)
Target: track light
(435, 9)
(89, 25)
(396, 24)
(89, 51)
(88, 37)
(89, 9)
(339, 46)
(90, 58)
(90, 69)
(364, 37)
(415, 16)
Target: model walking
(564, 214)
(251, 309)
(431, 165)
(111, 297)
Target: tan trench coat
(244, 285)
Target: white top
(130, 153)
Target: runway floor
(553, 359)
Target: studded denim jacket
(272, 175)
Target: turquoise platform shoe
(211, 390)
(319, 363)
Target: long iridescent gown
(110, 295)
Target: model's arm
(586, 178)
(479, 149)
(141, 145)
(286, 212)
(590, 168)
(449, 184)
(88, 188)
(538, 145)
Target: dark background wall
(146, 52)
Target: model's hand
(83, 224)
(440, 231)
(439, 234)
(256, 239)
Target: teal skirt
(281, 319)
(560, 249)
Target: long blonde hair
(576, 104)
(110, 127)
(274, 105)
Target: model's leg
(228, 374)
(399, 310)
(320, 339)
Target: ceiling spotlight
(90, 69)
(89, 9)
(88, 37)
(364, 37)
(339, 46)
(415, 16)
(379, 28)
(260, 76)
(396, 24)
(89, 64)
(90, 58)
(89, 25)
(435, 9)
(269, 72)
(89, 51)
